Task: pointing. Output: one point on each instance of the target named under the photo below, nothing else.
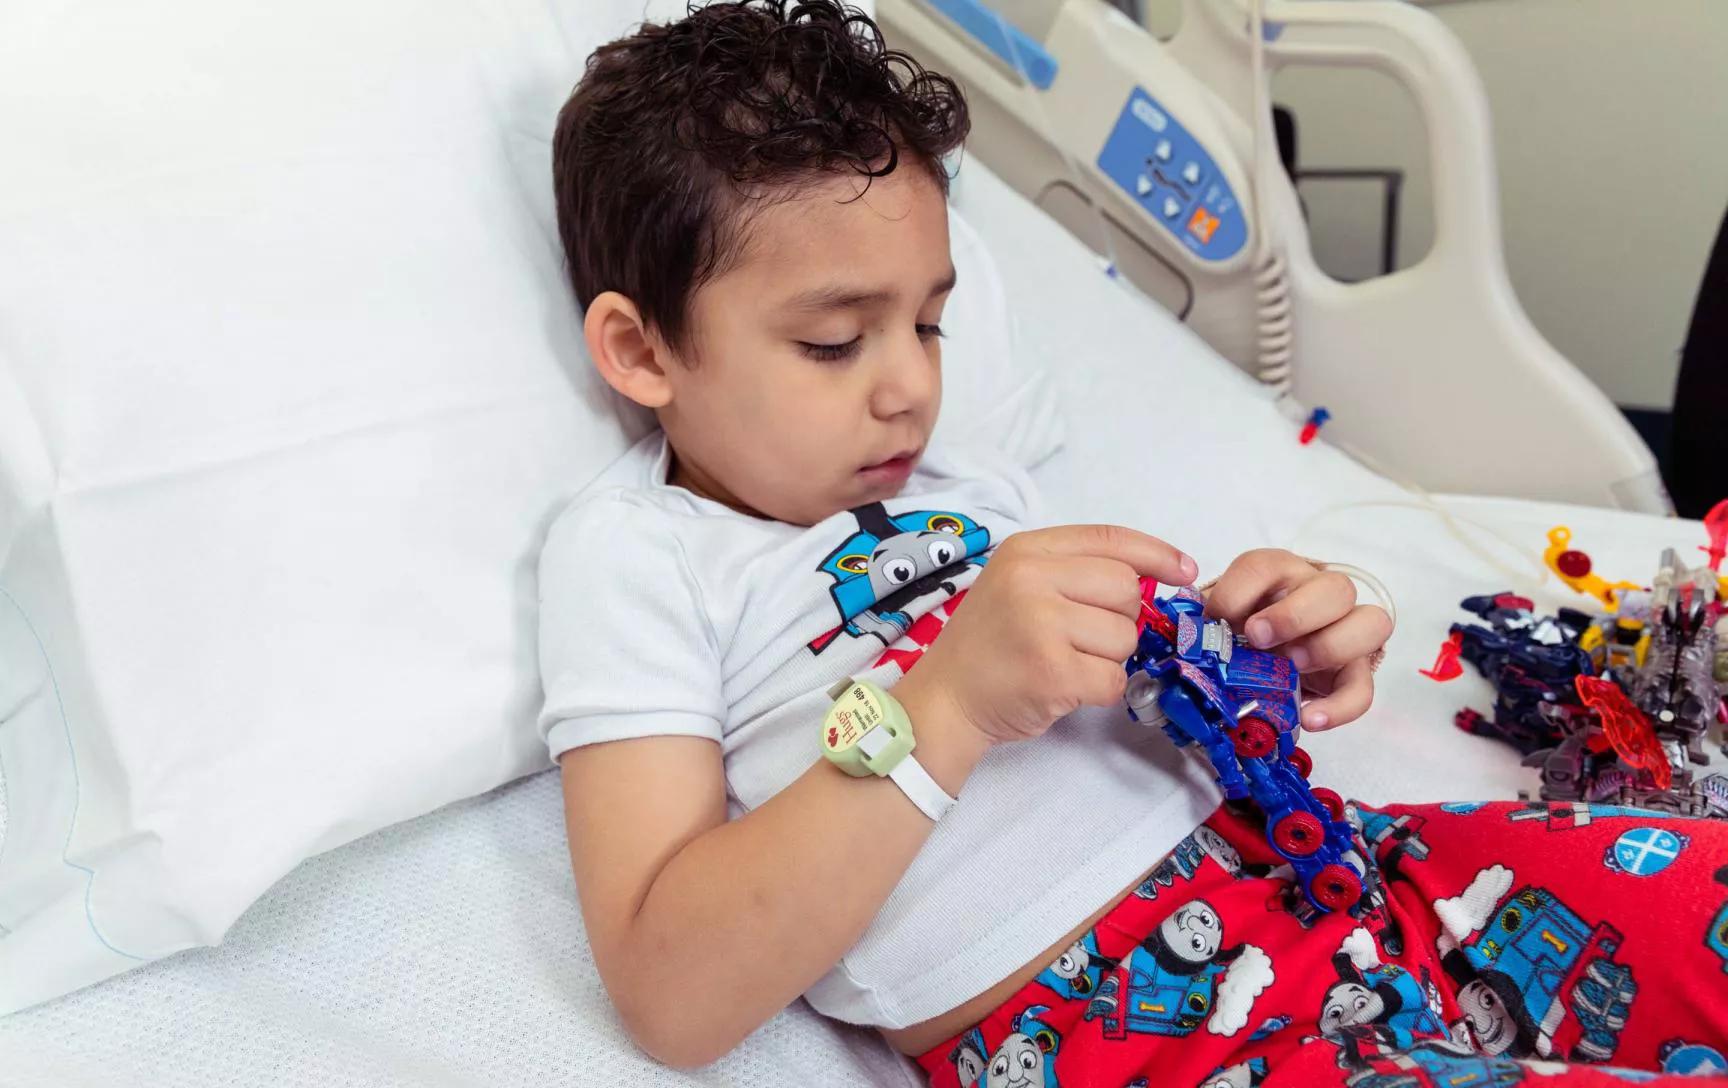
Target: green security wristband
(859, 708)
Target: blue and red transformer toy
(1195, 678)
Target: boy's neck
(692, 478)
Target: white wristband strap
(914, 781)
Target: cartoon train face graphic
(891, 561)
(1539, 979)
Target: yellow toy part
(1573, 568)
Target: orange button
(1201, 225)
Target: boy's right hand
(1044, 629)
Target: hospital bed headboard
(1146, 151)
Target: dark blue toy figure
(1531, 661)
(1200, 682)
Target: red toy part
(1716, 524)
(1316, 420)
(1151, 615)
(1336, 887)
(1330, 801)
(1446, 665)
(1574, 563)
(1626, 728)
(1254, 737)
(1298, 834)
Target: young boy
(752, 203)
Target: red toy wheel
(1302, 761)
(1335, 887)
(1298, 834)
(1330, 801)
(1254, 737)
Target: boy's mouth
(898, 466)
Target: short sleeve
(626, 649)
(994, 393)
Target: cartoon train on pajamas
(1434, 1063)
(1539, 979)
(1716, 937)
(1078, 970)
(1403, 831)
(1185, 860)
(1168, 983)
(1025, 1057)
(1194, 677)
(1384, 1003)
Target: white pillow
(290, 386)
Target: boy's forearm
(745, 917)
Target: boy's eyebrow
(841, 297)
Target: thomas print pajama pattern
(1498, 944)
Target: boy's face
(813, 377)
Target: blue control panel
(1169, 174)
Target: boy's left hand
(1282, 602)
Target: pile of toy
(1613, 707)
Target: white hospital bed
(1147, 150)
(448, 951)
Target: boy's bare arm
(704, 928)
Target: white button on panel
(1172, 207)
(1191, 173)
(1143, 185)
(1162, 151)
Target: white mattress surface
(449, 950)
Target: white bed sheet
(448, 951)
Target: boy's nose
(907, 381)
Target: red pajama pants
(1498, 944)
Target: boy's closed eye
(836, 352)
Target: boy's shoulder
(628, 500)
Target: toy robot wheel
(1254, 737)
(1298, 834)
(1335, 887)
(1302, 761)
(1330, 801)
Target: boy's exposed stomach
(919, 1038)
(1049, 833)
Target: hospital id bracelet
(866, 732)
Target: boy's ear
(629, 356)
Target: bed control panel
(1170, 175)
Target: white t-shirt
(666, 613)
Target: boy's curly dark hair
(676, 132)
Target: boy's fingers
(1101, 633)
(1352, 692)
(1102, 583)
(1322, 600)
(1103, 682)
(1252, 579)
(1362, 631)
(1149, 556)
